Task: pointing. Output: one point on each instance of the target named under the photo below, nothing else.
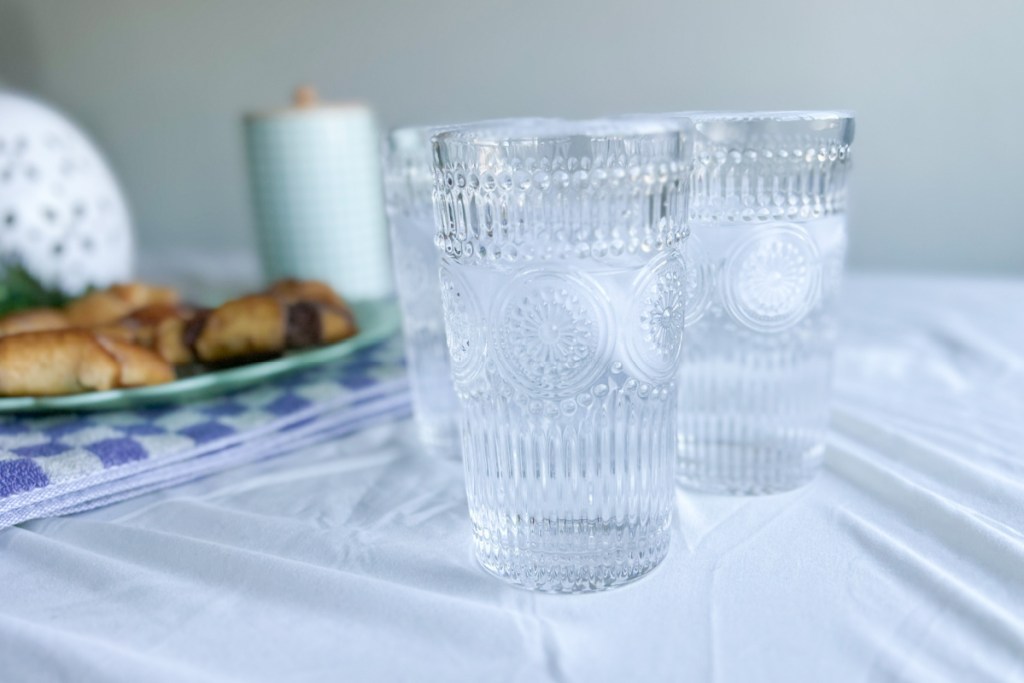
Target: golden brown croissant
(34, 320)
(59, 362)
(154, 327)
(109, 305)
(131, 334)
(139, 366)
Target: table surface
(903, 561)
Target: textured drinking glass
(765, 260)
(408, 182)
(563, 293)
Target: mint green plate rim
(377, 321)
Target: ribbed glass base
(434, 403)
(753, 415)
(739, 468)
(595, 556)
(579, 499)
(439, 440)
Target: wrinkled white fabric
(350, 560)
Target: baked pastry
(132, 334)
(57, 362)
(262, 325)
(292, 291)
(313, 324)
(109, 305)
(34, 320)
(160, 327)
(252, 326)
(139, 366)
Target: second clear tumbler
(564, 296)
(408, 177)
(768, 215)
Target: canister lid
(306, 101)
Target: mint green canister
(314, 172)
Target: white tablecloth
(904, 561)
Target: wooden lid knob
(305, 97)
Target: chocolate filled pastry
(314, 291)
(263, 325)
(109, 305)
(34, 320)
(315, 312)
(312, 324)
(58, 362)
(250, 327)
(160, 327)
(172, 341)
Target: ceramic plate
(377, 321)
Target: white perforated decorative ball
(62, 215)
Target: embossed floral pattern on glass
(564, 295)
(764, 263)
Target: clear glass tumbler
(563, 293)
(765, 260)
(408, 183)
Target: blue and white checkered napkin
(53, 465)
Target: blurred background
(936, 85)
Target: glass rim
(416, 133)
(503, 132)
(736, 126)
(768, 115)
(758, 127)
(399, 135)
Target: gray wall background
(937, 87)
